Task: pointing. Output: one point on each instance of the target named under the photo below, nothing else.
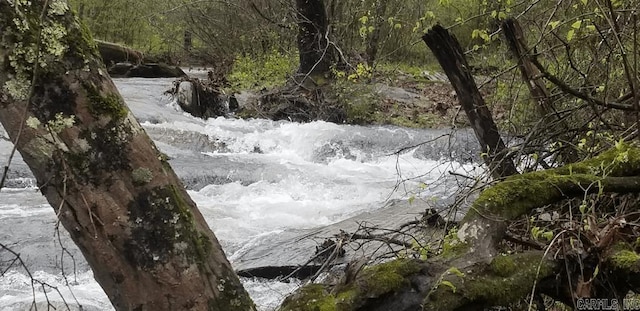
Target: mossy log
(113, 53)
(471, 273)
(111, 188)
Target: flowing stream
(254, 181)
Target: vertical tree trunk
(373, 41)
(147, 243)
(451, 58)
(313, 45)
(188, 41)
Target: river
(254, 181)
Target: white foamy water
(250, 178)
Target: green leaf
(411, 199)
(554, 24)
(535, 232)
(583, 208)
(456, 271)
(570, 34)
(449, 284)
(576, 24)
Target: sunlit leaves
(574, 27)
(480, 33)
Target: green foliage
(359, 100)
(451, 244)
(268, 71)
(150, 26)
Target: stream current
(253, 180)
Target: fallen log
(113, 53)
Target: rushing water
(250, 178)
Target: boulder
(202, 100)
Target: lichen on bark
(162, 227)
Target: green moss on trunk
(162, 229)
(519, 194)
(371, 283)
(501, 283)
(623, 257)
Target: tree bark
(530, 74)
(313, 45)
(114, 192)
(450, 56)
(373, 41)
(533, 78)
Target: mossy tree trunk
(114, 192)
(451, 58)
(471, 273)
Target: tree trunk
(125, 208)
(450, 56)
(313, 45)
(373, 41)
(532, 77)
(530, 74)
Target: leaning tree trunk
(114, 192)
(449, 53)
(313, 45)
(533, 78)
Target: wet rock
(202, 100)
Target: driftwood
(450, 56)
